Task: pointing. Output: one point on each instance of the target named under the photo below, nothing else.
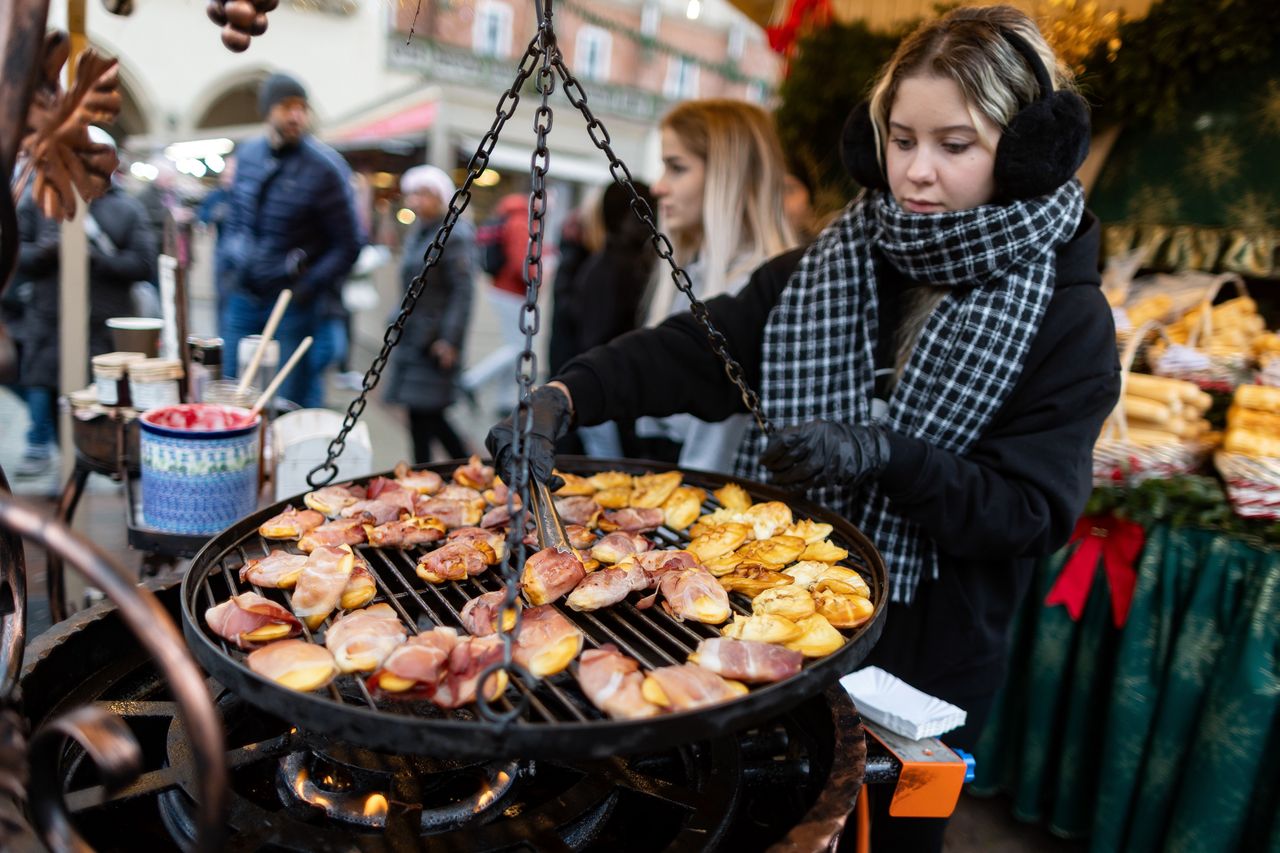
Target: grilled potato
(790, 601)
(715, 519)
(753, 579)
(842, 581)
(651, 491)
(618, 498)
(554, 657)
(817, 637)
(610, 480)
(733, 497)
(843, 611)
(824, 551)
(718, 540)
(723, 564)
(813, 574)
(809, 530)
(768, 518)
(762, 628)
(682, 507)
(779, 550)
(574, 486)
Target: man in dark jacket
(122, 250)
(291, 224)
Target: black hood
(1078, 257)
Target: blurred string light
(196, 157)
(693, 10)
(487, 178)
(193, 167)
(1074, 28)
(405, 216)
(144, 171)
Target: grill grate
(652, 637)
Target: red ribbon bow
(1118, 542)
(782, 38)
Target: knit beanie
(275, 89)
(428, 178)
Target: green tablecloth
(1154, 736)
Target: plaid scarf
(819, 349)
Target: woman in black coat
(424, 367)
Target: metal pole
(73, 265)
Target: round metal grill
(557, 720)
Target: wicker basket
(1215, 371)
(1253, 483)
(1116, 459)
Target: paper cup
(136, 334)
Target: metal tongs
(551, 532)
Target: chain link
(622, 175)
(324, 473)
(519, 498)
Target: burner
(362, 794)
(294, 791)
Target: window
(682, 78)
(737, 41)
(491, 28)
(591, 53)
(650, 19)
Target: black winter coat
(291, 222)
(124, 219)
(417, 381)
(1013, 497)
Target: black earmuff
(1040, 150)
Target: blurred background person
(292, 224)
(603, 299)
(424, 367)
(214, 209)
(721, 201)
(122, 250)
(504, 247)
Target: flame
(375, 806)
(300, 782)
(486, 797)
(488, 794)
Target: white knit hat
(428, 179)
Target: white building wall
(173, 58)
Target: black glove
(551, 417)
(826, 453)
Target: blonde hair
(966, 45)
(744, 173)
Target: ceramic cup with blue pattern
(199, 467)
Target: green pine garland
(1188, 501)
(1164, 54)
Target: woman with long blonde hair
(721, 201)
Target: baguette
(1153, 438)
(1261, 398)
(1144, 409)
(1253, 420)
(1160, 388)
(1251, 443)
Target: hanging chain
(324, 473)
(518, 492)
(622, 175)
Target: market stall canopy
(406, 118)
